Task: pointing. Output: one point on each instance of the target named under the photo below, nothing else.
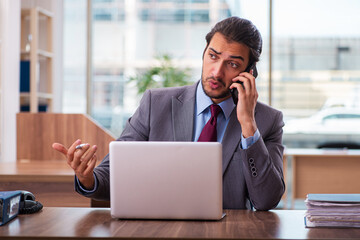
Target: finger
(248, 75)
(86, 157)
(243, 82)
(72, 148)
(59, 147)
(79, 155)
(249, 81)
(248, 86)
(90, 167)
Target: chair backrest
(340, 145)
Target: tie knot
(215, 110)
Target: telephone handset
(234, 91)
(28, 204)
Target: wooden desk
(96, 223)
(323, 171)
(52, 182)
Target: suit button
(254, 174)
(253, 169)
(252, 164)
(251, 160)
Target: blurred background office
(92, 56)
(315, 58)
(309, 68)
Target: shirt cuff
(247, 142)
(87, 190)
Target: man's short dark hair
(239, 30)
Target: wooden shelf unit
(38, 23)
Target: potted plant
(163, 75)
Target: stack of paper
(332, 210)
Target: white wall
(9, 67)
(9, 76)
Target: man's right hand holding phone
(247, 99)
(82, 160)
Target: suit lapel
(231, 139)
(183, 108)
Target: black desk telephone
(28, 204)
(234, 91)
(13, 203)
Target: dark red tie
(209, 134)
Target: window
(315, 60)
(315, 56)
(74, 88)
(124, 47)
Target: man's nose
(218, 70)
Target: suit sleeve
(263, 168)
(136, 129)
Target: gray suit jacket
(254, 174)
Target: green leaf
(165, 75)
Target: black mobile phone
(234, 91)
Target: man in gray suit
(250, 132)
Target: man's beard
(223, 94)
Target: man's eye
(234, 65)
(212, 56)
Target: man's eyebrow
(214, 50)
(237, 57)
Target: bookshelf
(36, 50)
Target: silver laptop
(166, 180)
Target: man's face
(223, 61)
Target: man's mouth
(215, 84)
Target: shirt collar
(203, 102)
